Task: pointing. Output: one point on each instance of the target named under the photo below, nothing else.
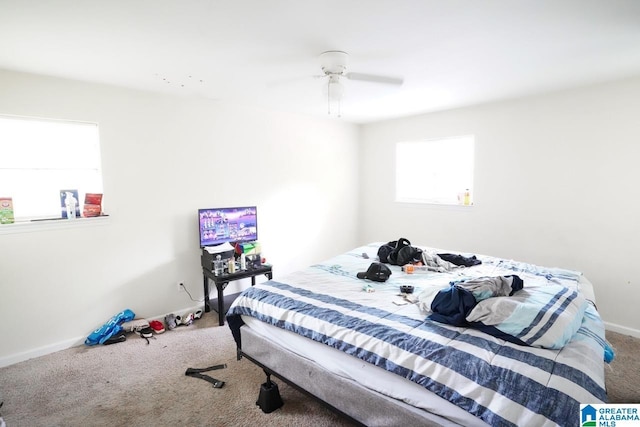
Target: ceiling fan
(334, 67)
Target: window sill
(52, 224)
(434, 204)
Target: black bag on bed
(409, 255)
(388, 253)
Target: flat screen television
(232, 225)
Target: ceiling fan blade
(375, 78)
(286, 81)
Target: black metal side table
(221, 282)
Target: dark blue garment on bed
(452, 306)
(461, 260)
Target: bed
(376, 356)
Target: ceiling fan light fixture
(335, 89)
(334, 66)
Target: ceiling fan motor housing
(334, 62)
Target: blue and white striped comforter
(500, 382)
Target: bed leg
(269, 398)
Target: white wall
(163, 158)
(556, 184)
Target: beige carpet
(136, 384)
(623, 374)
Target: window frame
(458, 198)
(92, 159)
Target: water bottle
(218, 266)
(467, 197)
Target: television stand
(222, 303)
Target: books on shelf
(92, 205)
(6, 210)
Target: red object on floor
(157, 326)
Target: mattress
(365, 374)
(323, 314)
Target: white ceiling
(265, 52)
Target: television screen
(220, 225)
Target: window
(38, 158)
(435, 171)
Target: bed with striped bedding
(497, 381)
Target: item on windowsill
(92, 205)
(70, 208)
(6, 210)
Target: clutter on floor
(116, 329)
(197, 373)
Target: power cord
(188, 293)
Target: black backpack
(409, 255)
(399, 252)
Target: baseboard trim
(72, 342)
(622, 329)
(40, 351)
